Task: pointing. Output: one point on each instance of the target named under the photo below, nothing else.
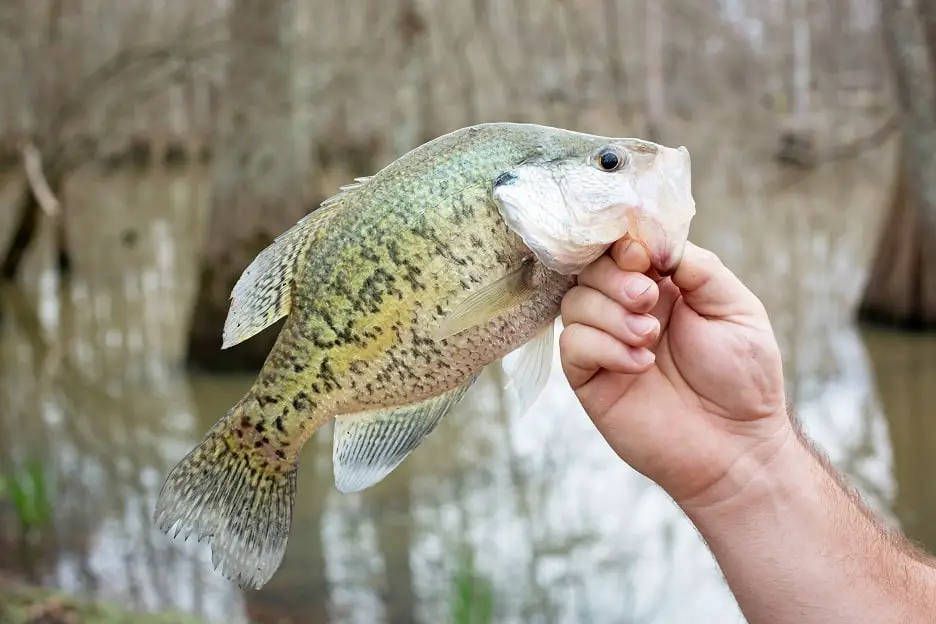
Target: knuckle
(569, 302)
(567, 334)
(569, 337)
(607, 269)
(597, 270)
(619, 284)
(758, 306)
(606, 263)
(573, 335)
(708, 258)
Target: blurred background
(149, 149)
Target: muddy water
(560, 529)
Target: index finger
(630, 255)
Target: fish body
(398, 291)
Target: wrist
(762, 470)
(792, 525)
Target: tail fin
(242, 503)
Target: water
(562, 529)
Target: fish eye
(610, 158)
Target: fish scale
(384, 284)
(398, 291)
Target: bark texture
(258, 186)
(901, 290)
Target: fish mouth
(666, 261)
(665, 251)
(663, 222)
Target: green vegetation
(28, 493)
(472, 594)
(26, 605)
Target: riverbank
(22, 604)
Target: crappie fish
(398, 291)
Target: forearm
(795, 546)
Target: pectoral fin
(263, 294)
(528, 367)
(370, 445)
(489, 301)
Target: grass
(472, 595)
(20, 604)
(28, 492)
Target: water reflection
(558, 527)
(106, 441)
(905, 369)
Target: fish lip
(667, 261)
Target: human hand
(682, 376)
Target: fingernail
(636, 286)
(644, 357)
(641, 325)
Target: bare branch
(853, 149)
(120, 63)
(35, 176)
(860, 145)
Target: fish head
(570, 208)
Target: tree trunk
(901, 291)
(259, 188)
(901, 288)
(27, 226)
(653, 73)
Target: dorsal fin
(343, 191)
(262, 294)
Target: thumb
(711, 289)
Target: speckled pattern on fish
(398, 291)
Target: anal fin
(368, 446)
